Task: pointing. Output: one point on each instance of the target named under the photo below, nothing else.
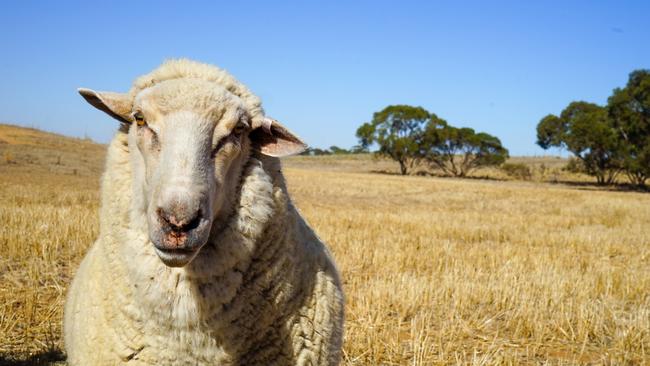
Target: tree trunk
(402, 167)
(637, 179)
(611, 176)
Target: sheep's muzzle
(178, 237)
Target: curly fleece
(262, 291)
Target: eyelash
(233, 136)
(218, 146)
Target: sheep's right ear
(273, 139)
(116, 105)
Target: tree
(315, 152)
(629, 109)
(396, 130)
(358, 149)
(338, 151)
(586, 130)
(457, 151)
(551, 132)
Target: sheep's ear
(273, 139)
(116, 105)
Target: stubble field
(436, 271)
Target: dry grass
(550, 169)
(446, 271)
(436, 271)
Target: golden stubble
(444, 271)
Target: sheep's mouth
(177, 248)
(176, 257)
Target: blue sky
(323, 68)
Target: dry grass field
(437, 271)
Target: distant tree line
(412, 135)
(608, 140)
(334, 150)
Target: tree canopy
(585, 130)
(396, 130)
(629, 110)
(607, 139)
(410, 135)
(457, 151)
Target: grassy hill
(27, 150)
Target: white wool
(184, 68)
(262, 291)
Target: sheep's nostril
(193, 223)
(164, 218)
(179, 223)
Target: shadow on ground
(54, 357)
(583, 186)
(422, 173)
(615, 187)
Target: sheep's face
(189, 141)
(188, 146)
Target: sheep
(201, 258)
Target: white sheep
(201, 259)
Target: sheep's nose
(182, 221)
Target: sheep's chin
(176, 257)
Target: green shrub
(517, 171)
(575, 165)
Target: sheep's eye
(139, 119)
(239, 129)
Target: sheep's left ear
(116, 105)
(273, 139)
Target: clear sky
(323, 67)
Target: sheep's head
(189, 140)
